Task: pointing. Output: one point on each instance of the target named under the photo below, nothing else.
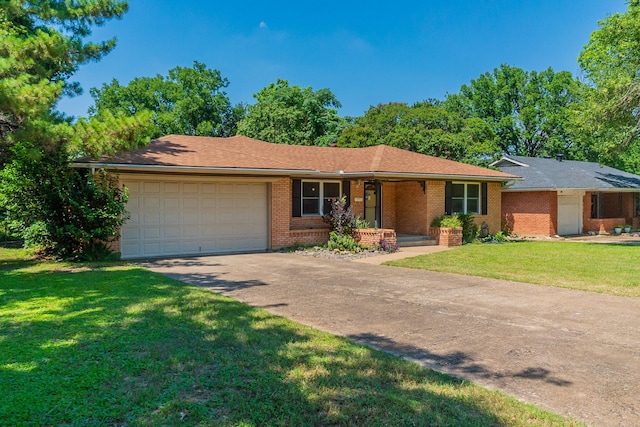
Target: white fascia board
(507, 159)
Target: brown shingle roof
(240, 152)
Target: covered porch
(603, 211)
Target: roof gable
(247, 154)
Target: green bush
(361, 223)
(469, 228)
(342, 242)
(499, 237)
(449, 221)
(63, 210)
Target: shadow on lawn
(132, 347)
(457, 363)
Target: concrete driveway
(574, 353)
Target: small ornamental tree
(341, 218)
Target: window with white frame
(465, 197)
(317, 196)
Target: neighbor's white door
(189, 218)
(569, 214)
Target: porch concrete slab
(404, 252)
(574, 353)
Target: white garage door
(190, 218)
(569, 215)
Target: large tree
(188, 101)
(42, 43)
(530, 112)
(287, 114)
(425, 128)
(610, 119)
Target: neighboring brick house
(565, 197)
(200, 195)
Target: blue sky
(366, 53)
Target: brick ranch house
(193, 195)
(564, 197)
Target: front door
(372, 203)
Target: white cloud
(263, 25)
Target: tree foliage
(610, 60)
(66, 211)
(188, 101)
(425, 128)
(286, 114)
(530, 112)
(41, 45)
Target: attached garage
(170, 217)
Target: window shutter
(485, 197)
(346, 190)
(296, 199)
(447, 198)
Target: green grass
(604, 268)
(88, 345)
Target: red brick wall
(406, 207)
(389, 211)
(446, 236)
(280, 213)
(435, 200)
(412, 209)
(493, 218)
(357, 192)
(530, 213)
(371, 237)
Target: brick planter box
(446, 236)
(371, 237)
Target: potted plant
(627, 228)
(618, 229)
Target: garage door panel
(187, 218)
(208, 188)
(569, 214)
(208, 202)
(190, 203)
(171, 187)
(148, 217)
(189, 246)
(150, 187)
(151, 233)
(172, 248)
(171, 232)
(129, 250)
(189, 188)
(151, 249)
(171, 203)
(190, 231)
(151, 202)
(171, 217)
(134, 217)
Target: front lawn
(85, 345)
(611, 269)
